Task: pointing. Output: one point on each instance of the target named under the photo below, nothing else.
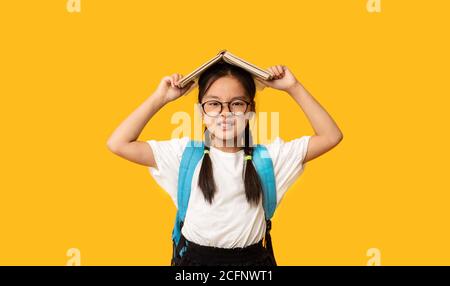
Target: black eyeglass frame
(221, 106)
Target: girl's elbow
(113, 147)
(336, 139)
(340, 137)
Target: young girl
(225, 222)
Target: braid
(252, 183)
(206, 178)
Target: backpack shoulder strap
(192, 154)
(264, 167)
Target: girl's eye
(238, 103)
(213, 104)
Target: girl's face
(225, 124)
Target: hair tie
(205, 151)
(248, 157)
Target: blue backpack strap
(192, 154)
(264, 167)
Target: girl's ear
(250, 115)
(198, 110)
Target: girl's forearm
(319, 118)
(130, 129)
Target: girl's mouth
(226, 125)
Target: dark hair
(252, 183)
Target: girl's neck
(229, 149)
(227, 146)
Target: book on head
(228, 57)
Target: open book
(231, 59)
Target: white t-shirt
(230, 221)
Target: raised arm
(123, 141)
(327, 133)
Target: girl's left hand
(283, 79)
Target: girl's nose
(225, 110)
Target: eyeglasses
(213, 108)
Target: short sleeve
(167, 155)
(287, 158)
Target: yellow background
(68, 79)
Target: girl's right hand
(170, 91)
